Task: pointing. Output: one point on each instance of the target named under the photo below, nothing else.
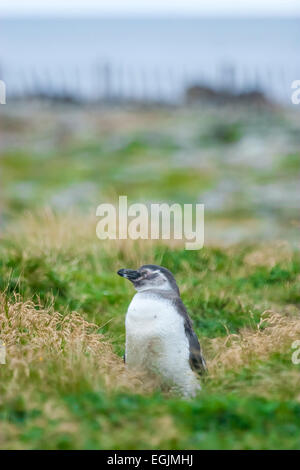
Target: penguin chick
(159, 332)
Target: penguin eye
(144, 273)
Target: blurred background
(162, 101)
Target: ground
(62, 306)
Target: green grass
(119, 421)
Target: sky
(152, 7)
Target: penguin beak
(130, 274)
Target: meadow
(62, 305)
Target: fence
(116, 84)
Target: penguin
(159, 332)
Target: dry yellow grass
(270, 254)
(274, 334)
(46, 233)
(40, 340)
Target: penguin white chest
(156, 340)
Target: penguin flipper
(196, 358)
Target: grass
(65, 386)
(62, 306)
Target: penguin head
(149, 277)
